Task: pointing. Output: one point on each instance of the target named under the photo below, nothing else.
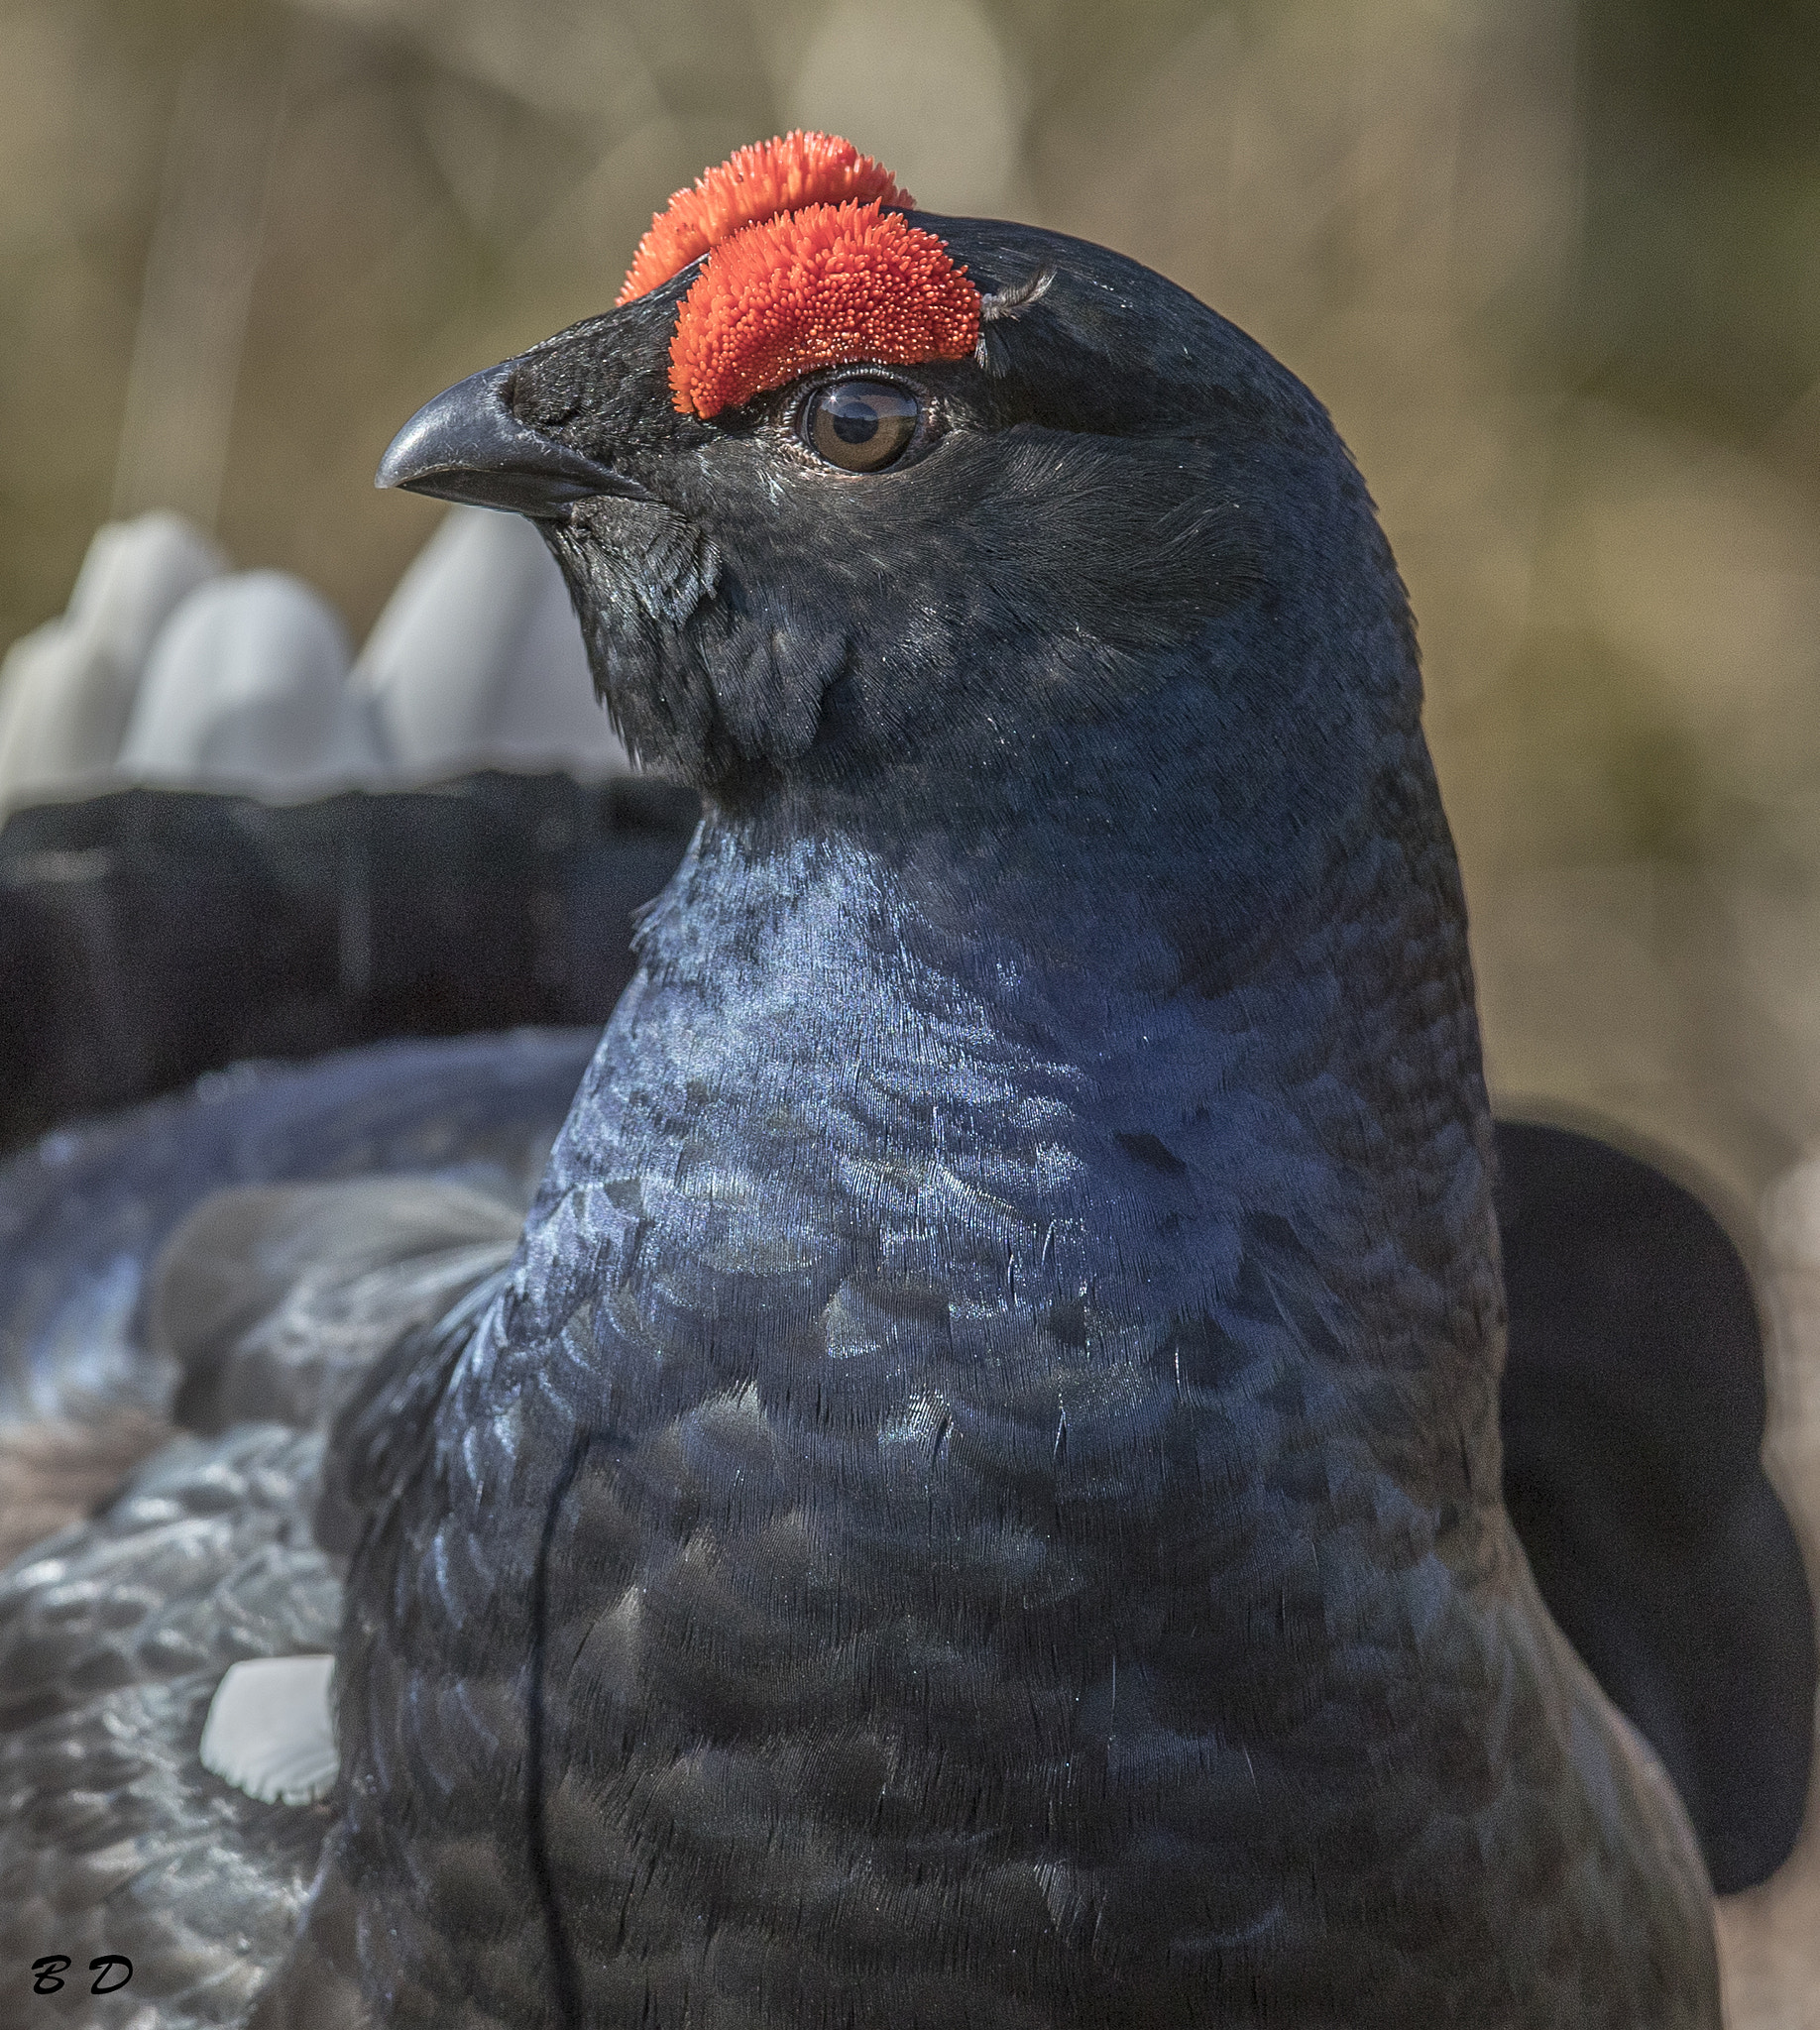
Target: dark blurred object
(1633, 1411)
(152, 936)
(86, 1390)
(85, 1213)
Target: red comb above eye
(828, 286)
(755, 182)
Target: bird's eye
(859, 426)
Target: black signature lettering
(46, 1972)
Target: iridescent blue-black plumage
(976, 1499)
(979, 1502)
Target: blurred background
(1554, 267)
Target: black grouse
(975, 1500)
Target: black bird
(975, 1498)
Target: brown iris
(859, 426)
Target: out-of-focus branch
(225, 131)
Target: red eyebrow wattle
(755, 183)
(824, 287)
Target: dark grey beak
(467, 445)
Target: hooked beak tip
(467, 445)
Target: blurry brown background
(1554, 268)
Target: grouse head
(870, 508)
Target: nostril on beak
(467, 445)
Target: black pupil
(862, 425)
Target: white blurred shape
(477, 661)
(246, 689)
(271, 1729)
(926, 86)
(67, 689)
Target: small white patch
(271, 1729)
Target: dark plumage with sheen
(977, 1502)
(975, 1499)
